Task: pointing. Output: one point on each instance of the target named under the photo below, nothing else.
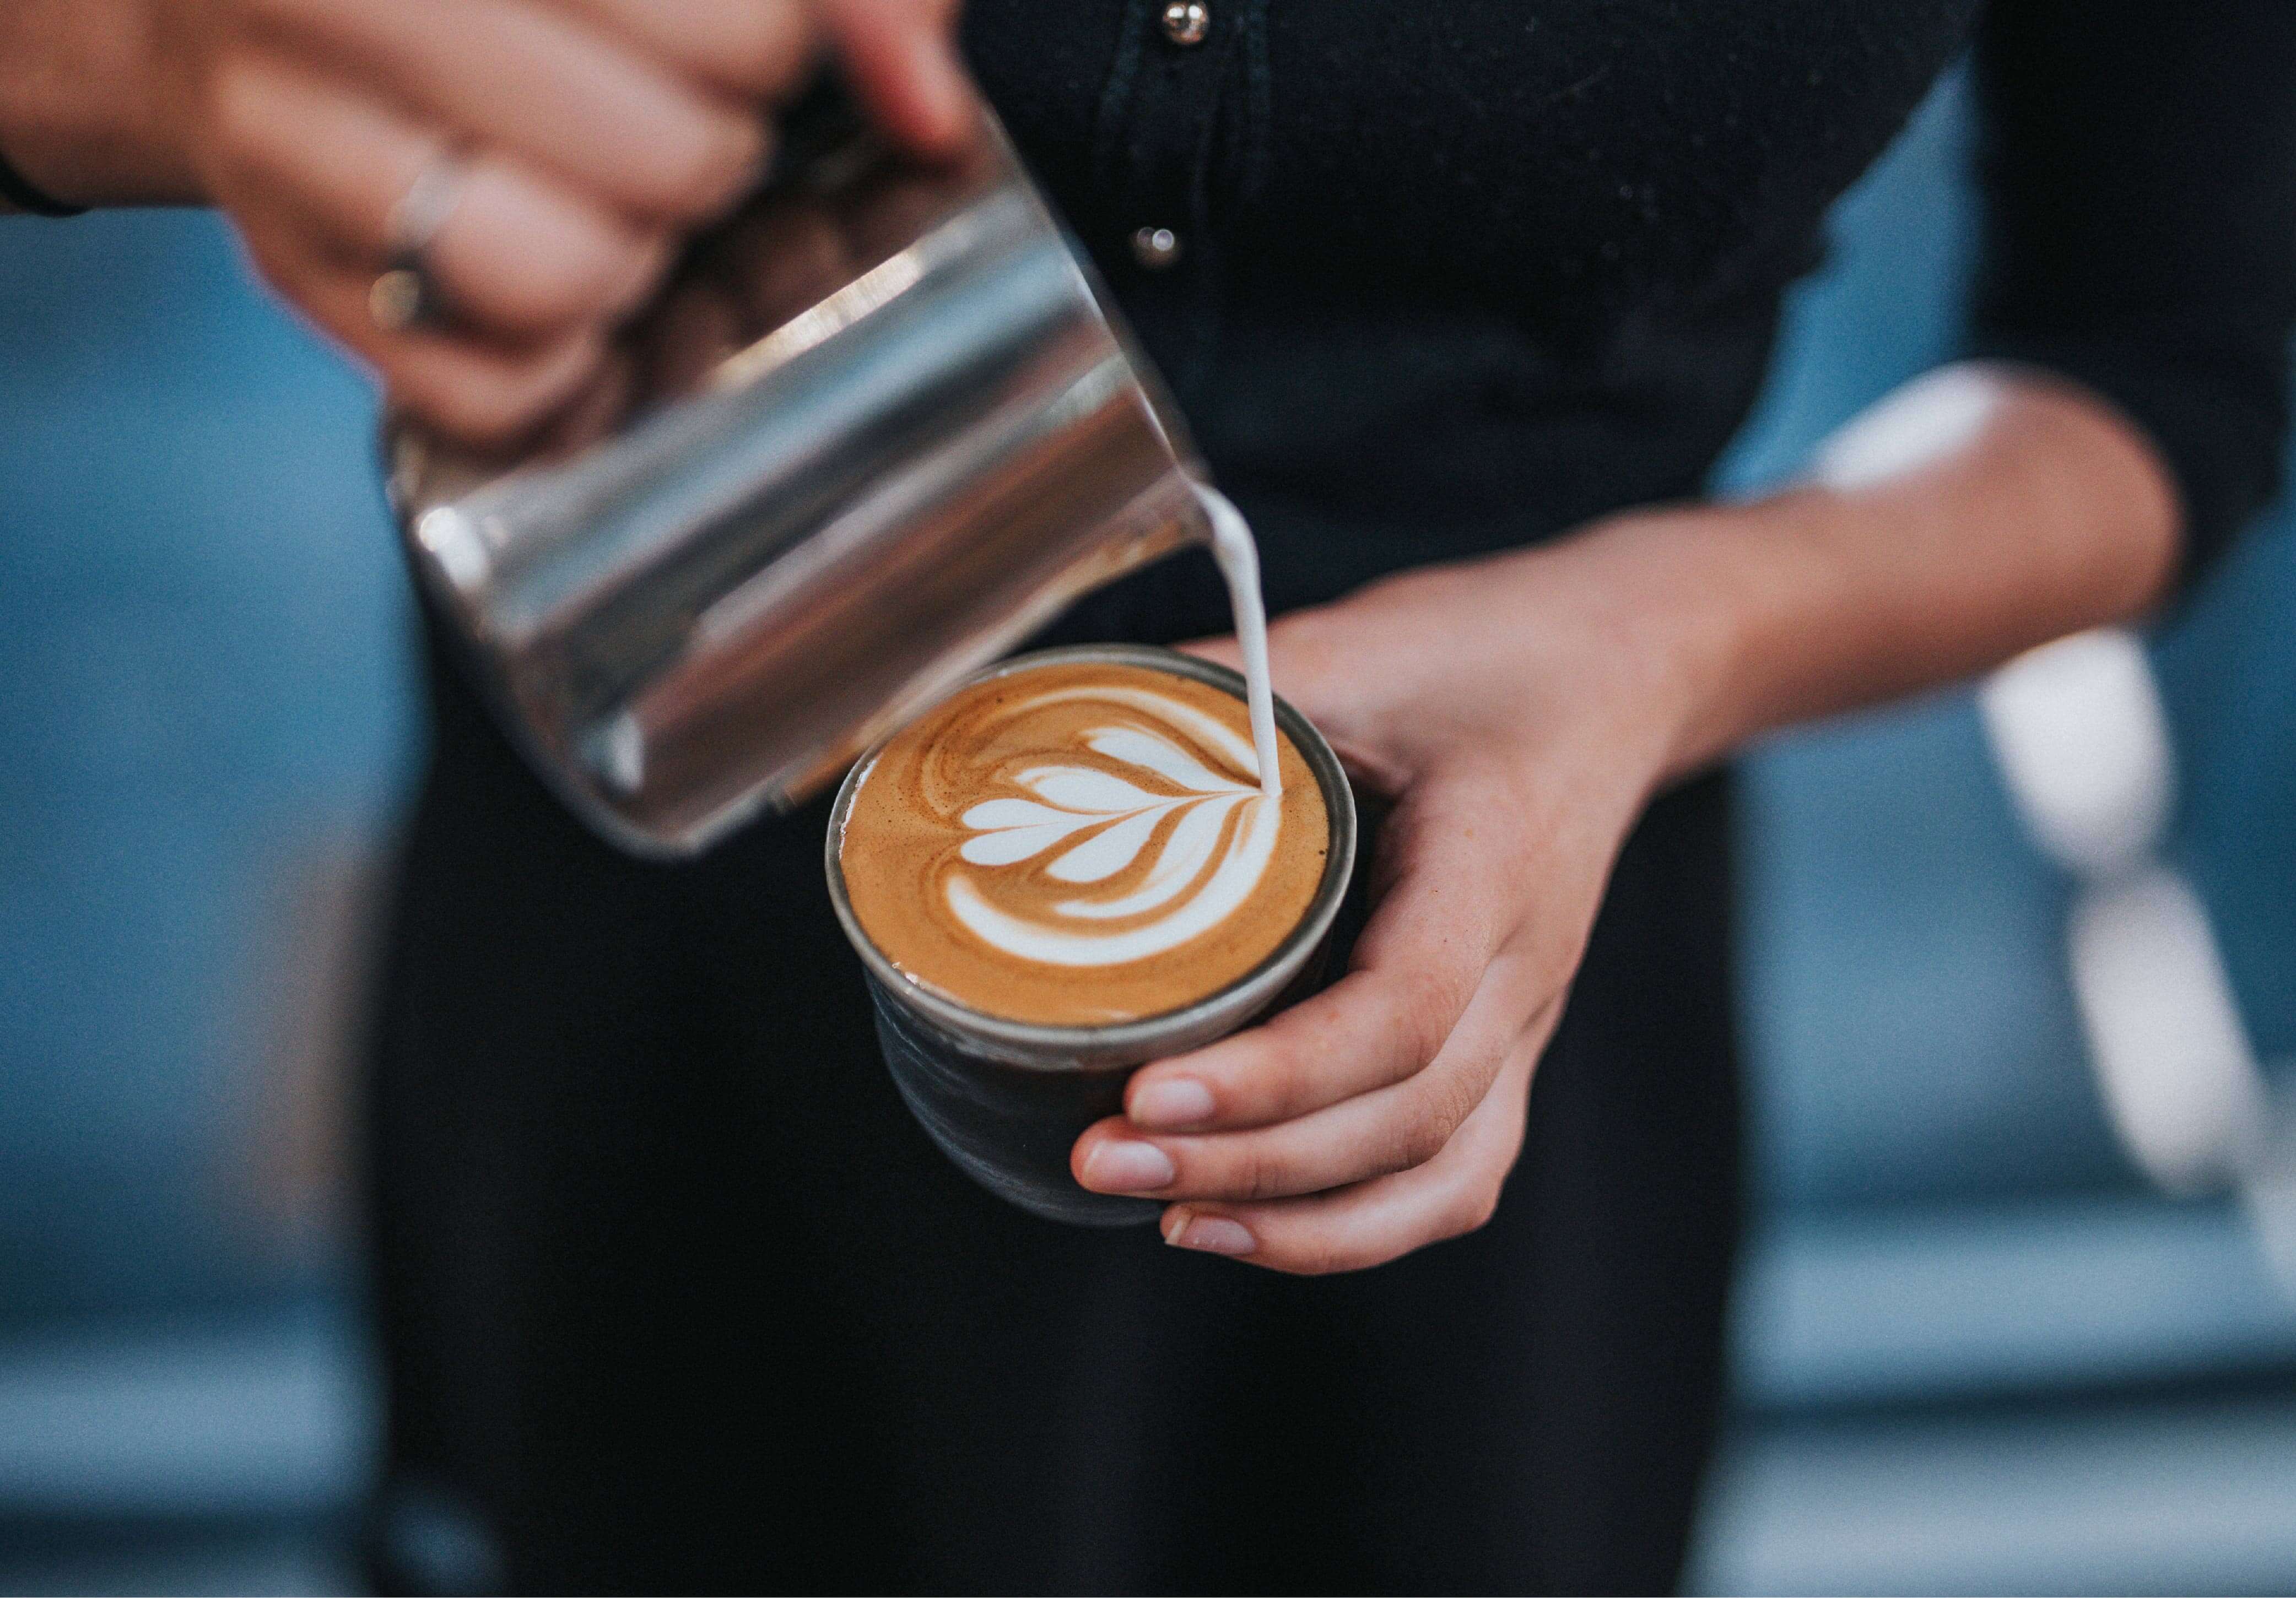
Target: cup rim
(1038, 1045)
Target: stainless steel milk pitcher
(877, 428)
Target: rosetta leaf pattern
(1108, 823)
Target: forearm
(79, 114)
(1951, 527)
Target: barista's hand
(1522, 708)
(1520, 722)
(591, 136)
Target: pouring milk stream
(1136, 784)
(1239, 563)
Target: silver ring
(405, 296)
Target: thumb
(901, 58)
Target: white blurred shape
(2083, 745)
(2269, 1197)
(2082, 741)
(1926, 420)
(2179, 1078)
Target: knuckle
(483, 409)
(1261, 1174)
(1473, 1209)
(1451, 1098)
(639, 260)
(588, 283)
(532, 254)
(1430, 1003)
(1280, 1079)
(701, 172)
(1420, 1138)
(235, 107)
(514, 294)
(1402, 1148)
(768, 45)
(1432, 1115)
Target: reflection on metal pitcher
(879, 427)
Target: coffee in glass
(1071, 866)
(1079, 844)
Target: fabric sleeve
(2137, 167)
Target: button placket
(1185, 23)
(1152, 148)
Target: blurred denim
(202, 639)
(209, 711)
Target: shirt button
(1187, 21)
(1156, 247)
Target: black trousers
(675, 1296)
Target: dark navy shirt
(1448, 276)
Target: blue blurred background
(1974, 1351)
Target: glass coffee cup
(1006, 1099)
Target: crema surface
(1080, 844)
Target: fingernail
(1173, 1102)
(1128, 1167)
(1184, 1228)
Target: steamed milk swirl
(1081, 843)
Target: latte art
(1082, 843)
(1203, 867)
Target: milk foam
(1204, 869)
(1102, 824)
(1085, 842)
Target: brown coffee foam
(904, 834)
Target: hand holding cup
(1519, 725)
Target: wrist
(1986, 513)
(81, 108)
(1675, 614)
